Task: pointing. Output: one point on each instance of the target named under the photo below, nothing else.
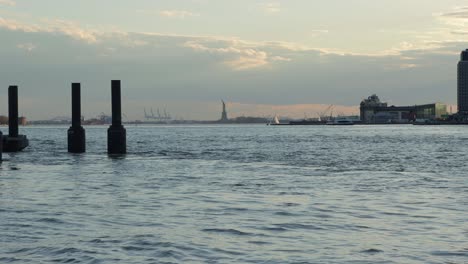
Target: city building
(22, 121)
(373, 111)
(462, 87)
(3, 120)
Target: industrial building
(373, 111)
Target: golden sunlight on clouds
(177, 14)
(64, 27)
(271, 7)
(7, 2)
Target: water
(239, 194)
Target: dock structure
(116, 134)
(76, 133)
(14, 142)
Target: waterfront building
(368, 107)
(3, 120)
(373, 111)
(462, 87)
(22, 121)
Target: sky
(291, 58)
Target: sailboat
(275, 121)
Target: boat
(341, 121)
(275, 122)
(307, 122)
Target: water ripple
(238, 194)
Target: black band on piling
(116, 104)
(13, 111)
(76, 133)
(116, 134)
(76, 104)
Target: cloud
(279, 58)
(177, 14)
(460, 13)
(409, 66)
(17, 26)
(271, 8)
(234, 53)
(71, 29)
(320, 31)
(459, 32)
(26, 46)
(457, 18)
(240, 58)
(55, 26)
(7, 2)
(249, 59)
(237, 54)
(240, 55)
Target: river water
(239, 194)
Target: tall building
(462, 91)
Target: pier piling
(14, 142)
(76, 133)
(116, 134)
(1, 146)
(13, 122)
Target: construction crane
(158, 116)
(327, 114)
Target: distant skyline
(262, 57)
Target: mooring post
(76, 133)
(14, 142)
(116, 134)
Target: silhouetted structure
(373, 111)
(13, 142)
(224, 117)
(462, 87)
(76, 133)
(116, 134)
